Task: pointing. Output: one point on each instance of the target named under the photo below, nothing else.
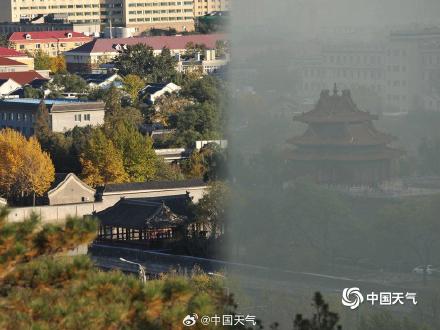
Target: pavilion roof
(380, 153)
(353, 134)
(142, 214)
(335, 108)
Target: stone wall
(58, 213)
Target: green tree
(132, 85)
(198, 122)
(166, 108)
(42, 288)
(322, 319)
(42, 61)
(101, 161)
(140, 60)
(207, 89)
(115, 112)
(33, 93)
(164, 69)
(139, 158)
(69, 83)
(211, 209)
(208, 163)
(136, 59)
(42, 125)
(4, 41)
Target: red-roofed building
(53, 43)
(12, 54)
(98, 51)
(9, 65)
(23, 78)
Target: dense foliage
(139, 59)
(42, 289)
(24, 168)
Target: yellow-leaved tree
(25, 169)
(102, 163)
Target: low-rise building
(206, 63)
(100, 51)
(111, 193)
(10, 65)
(52, 43)
(23, 77)
(69, 189)
(17, 56)
(153, 91)
(64, 115)
(8, 86)
(101, 80)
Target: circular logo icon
(352, 297)
(190, 320)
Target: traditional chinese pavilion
(341, 145)
(152, 222)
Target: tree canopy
(24, 168)
(46, 291)
(140, 60)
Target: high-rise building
(139, 14)
(203, 7)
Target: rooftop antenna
(110, 27)
(335, 90)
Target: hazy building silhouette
(341, 145)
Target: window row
(10, 116)
(80, 117)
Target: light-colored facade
(9, 86)
(83, 11)
(70, 190)
(203, 7)
(139, 14)
(20, 114)
(53, 43)
(100, 51)
(144, 15)
(401, 70)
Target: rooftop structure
(341, 145)
(20, 114)
(17, 56)
(150, 221)
(90, 55)
(53, 43)
(69, 189)
(22, 77)
(141, 16)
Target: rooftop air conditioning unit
(28, 36)
(69, 35)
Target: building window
(77, 117)
(87, 117)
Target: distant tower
(341, 145)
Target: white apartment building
(64, 115)
(402, 70)
(139, 14)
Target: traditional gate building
(341, 144)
